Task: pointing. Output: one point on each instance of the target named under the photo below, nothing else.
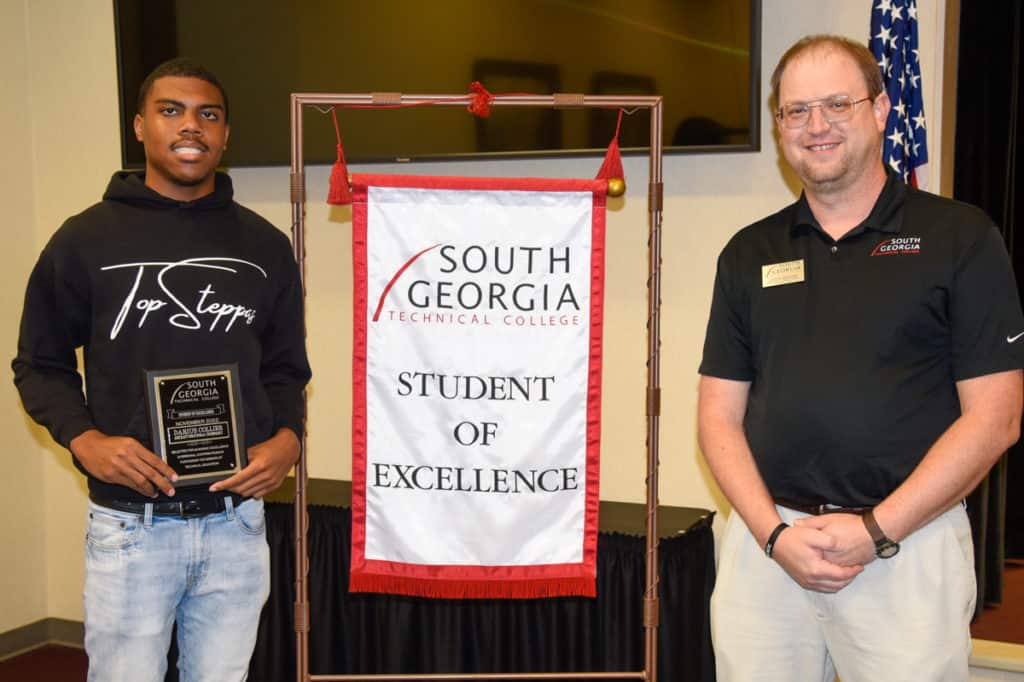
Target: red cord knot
(481, 104)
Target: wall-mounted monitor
(702, 56)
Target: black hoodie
(144, 282)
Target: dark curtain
(988, 143)
(370, 633)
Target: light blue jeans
(142, 573)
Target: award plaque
(196, 420)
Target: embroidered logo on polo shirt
(897, 245)
(774, 274)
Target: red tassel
(481, 104)
(339, 193)
(612, 166)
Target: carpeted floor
(1005, 622)
(49, 663)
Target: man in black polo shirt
(861, 373)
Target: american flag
(894, 44)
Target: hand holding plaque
(196, 420)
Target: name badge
(782, 273)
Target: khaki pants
(904, 618)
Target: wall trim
(997, 655)
(45, 631)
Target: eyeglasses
(834, 109)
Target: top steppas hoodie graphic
(144, 282)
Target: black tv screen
(701, 56)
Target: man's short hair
(183, 68)
(860, 54)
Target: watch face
(887, 549)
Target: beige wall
(60, 76)
(60, 82)
(22, 496)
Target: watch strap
(770, 545)
(884, 546)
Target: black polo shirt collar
(885, 216)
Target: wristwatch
(884, 547)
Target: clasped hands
(825, 553)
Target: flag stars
(894, 46)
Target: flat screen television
(701, 56)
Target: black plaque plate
(195, 417)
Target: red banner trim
(475, 582)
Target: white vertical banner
(477, 385)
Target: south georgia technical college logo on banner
(477, 385)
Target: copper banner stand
(654, 203)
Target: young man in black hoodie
(168, 272)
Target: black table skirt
(370, 633)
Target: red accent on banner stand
(481, 104)
(612, 165)
(339, 193)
